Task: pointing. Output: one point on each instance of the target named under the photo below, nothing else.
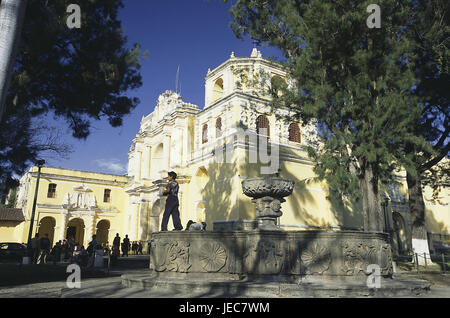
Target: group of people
(68, 251)
(40, 249)
(135, 246)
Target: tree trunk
(373, 214)
(417, 210)
(12, 14)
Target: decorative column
(143, 221)
(176, 146)
(90, 227)
(186, 143)
(139, 165)
(145, 162)
(197, 136)
(134, 222)
(251, 77)
(63, 225)
(149, 164)
(211, 130)
(229, 81)
(166, 155)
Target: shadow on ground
(16, 275)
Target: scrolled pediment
(82, 198)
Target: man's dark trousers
(171, 209)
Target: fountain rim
(268, 178)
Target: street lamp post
(40, 163)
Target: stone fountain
(256, 257)
(268, 193)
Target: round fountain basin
(272, 255)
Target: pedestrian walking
(45, 249)
(125, 246)
(91, 249)
(116, 246)
(140, 246)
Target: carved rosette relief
(213, 257)
(316, 259)
(265, 257)
(358, 256)
(172, 256)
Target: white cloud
(112, 165)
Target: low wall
(222, 255)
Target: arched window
(217, 89)
(218, 127)
(262, 125)
(218, 85)
(294, 133)
(205, 134)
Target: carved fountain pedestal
(268, 193)
(256, 257)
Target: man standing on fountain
(171, 204)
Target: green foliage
(79, 75)
(437, 177)
(430, 35)
(356, 81)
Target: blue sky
(194, 35)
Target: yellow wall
(51, 207)
(437, 210)
(9, 232)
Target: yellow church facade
(237, 135)
(70, 203)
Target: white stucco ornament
(81, 198)
(167, 103)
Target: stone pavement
(312, 288)
(111, 287)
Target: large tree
(430, 34)
(80, 74)
(355, 80)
